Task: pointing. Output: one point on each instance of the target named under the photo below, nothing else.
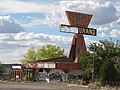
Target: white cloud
(88, 40)
(56, 17)
(103, 29)
(32, 39)
(17, 6)
(10, 44)
(8, 25)
(103, 13)
(33, 23)
(117, 5)
(52, 19)
(115, 33)
(102, 35)
(13, 57)
(6, 36)
(99, 0)
(14, 46)
(115, 23)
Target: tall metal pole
(93, 71)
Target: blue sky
(28, 23)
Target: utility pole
(93, 70)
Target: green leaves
(31, 55)
(106, 56)
(46, 52)
(49, 51)
(2, 70)
(86, 61)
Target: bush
(2, 71)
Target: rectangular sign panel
(16, 67)
(78, 19)
(79, 30)
(46, 65)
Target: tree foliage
(29, 56)
(46, 52)
(86, 61)
(2, 70)
(49, 51)
(106, 56)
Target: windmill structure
(78, 25)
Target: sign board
(16, 67)
(46, 65)
(78, 19)
(79, 30)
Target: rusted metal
(68, 66)
(78, 19)
(77, 47)
(81, 22)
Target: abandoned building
(64, 68)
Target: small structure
(64, 68)
(13, 71)
(17, 73)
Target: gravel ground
(38, 86)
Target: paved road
(38, 86)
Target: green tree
(31, 55)
(2, 70)
(46, 52)
(107, 60)
(106, 56)
(49, 51)
(86, 61)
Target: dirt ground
(38, 86)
